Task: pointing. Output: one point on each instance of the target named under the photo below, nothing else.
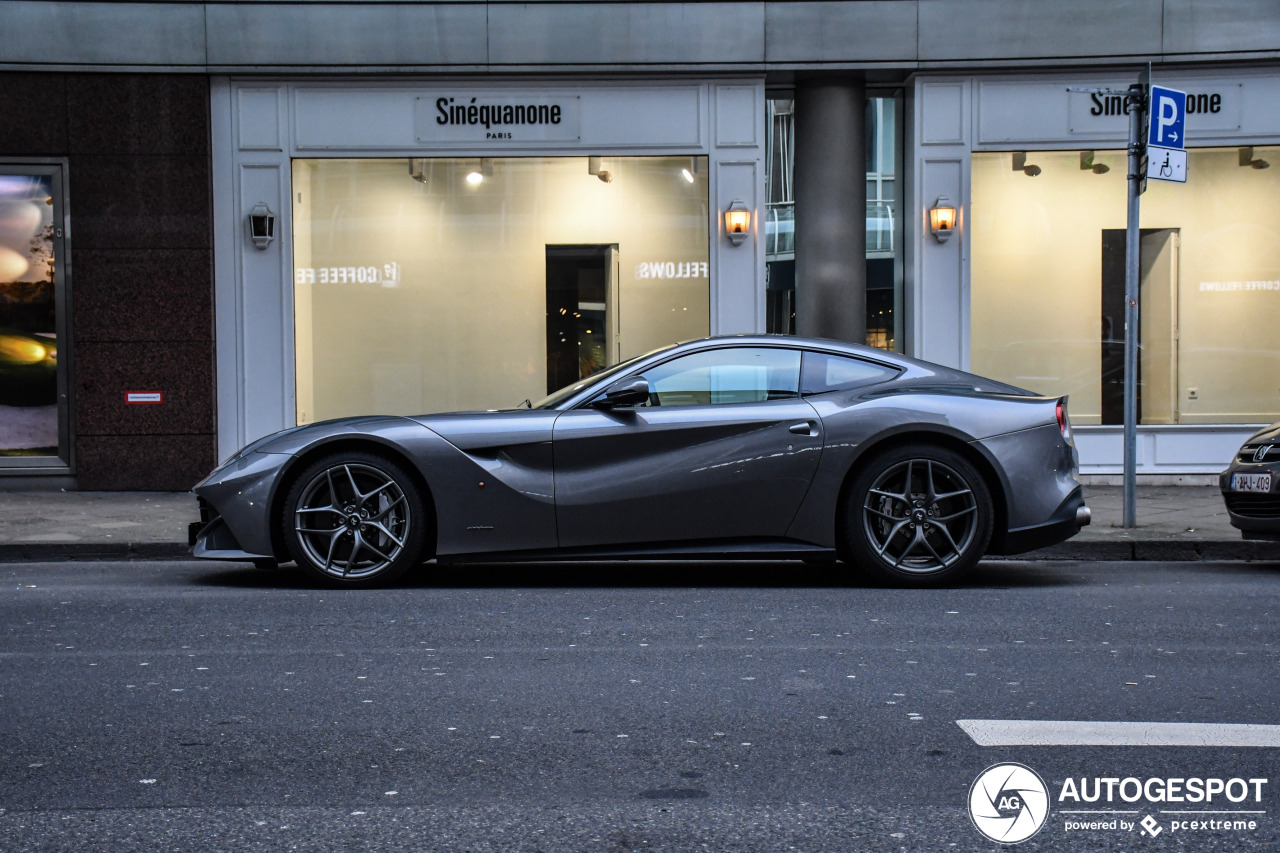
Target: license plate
(1251, 482)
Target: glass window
(474, 283)
(824, 372)
(33, 410)
(883, 220)
(1048, 247)
(735, 375)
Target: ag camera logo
(1008, 803)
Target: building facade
(218, 220)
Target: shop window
(883, 219)
(1047, 306)
(34, 430)
(474, 283)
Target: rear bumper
(1066, 522)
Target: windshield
(569, 390)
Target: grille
(1254, 506)
(1272, 455)
(207, 512)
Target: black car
(1251, 486)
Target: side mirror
(631, 391)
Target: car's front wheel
(917, 515)
(355, 519)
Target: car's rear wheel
(917, 515)
(355, 519)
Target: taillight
(1064, 424)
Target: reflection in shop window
(436, 284)
(883, 222)
(29, 405)
(1048, 283)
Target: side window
(715, 377)
(824, 372)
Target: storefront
(1032, 289)
(429, 246)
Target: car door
(724, 449)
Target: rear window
(821, 372)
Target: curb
(46, 552)
(1158, 550)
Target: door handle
(803, 428)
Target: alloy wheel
(920, 516)
(352, 521)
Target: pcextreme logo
(1008, 803)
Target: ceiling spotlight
(1020, 165)
(593, 168)
(687, 175)
(1247, 159)
(475, 176)
(1087, 164)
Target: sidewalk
(1174, 523)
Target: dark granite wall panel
(40, 100)
(143, 295)
(106, 370)
(141, 257)
(159, 463)
(140, 202)
(138, 114)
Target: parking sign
(1168, 115)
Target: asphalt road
(618, 707)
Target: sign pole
(1137, 102)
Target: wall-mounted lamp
(942, 219)
(737, 221)
(1247, 159)
(593, 168)
(262, 225)
(1020, 165)
(1087, 164)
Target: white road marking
(1103, 733)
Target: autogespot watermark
(1010, 803)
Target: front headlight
(255, 445)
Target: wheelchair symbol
(1166, 169)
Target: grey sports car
(745, 446)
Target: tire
(355, 520)
(916, 516)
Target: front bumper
(235, 509)
(1255, 514)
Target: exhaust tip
(1083, 516)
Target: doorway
(1157, 325)
(582, 312)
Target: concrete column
(831, 204)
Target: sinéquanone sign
(1207, 108)
(469, 118)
